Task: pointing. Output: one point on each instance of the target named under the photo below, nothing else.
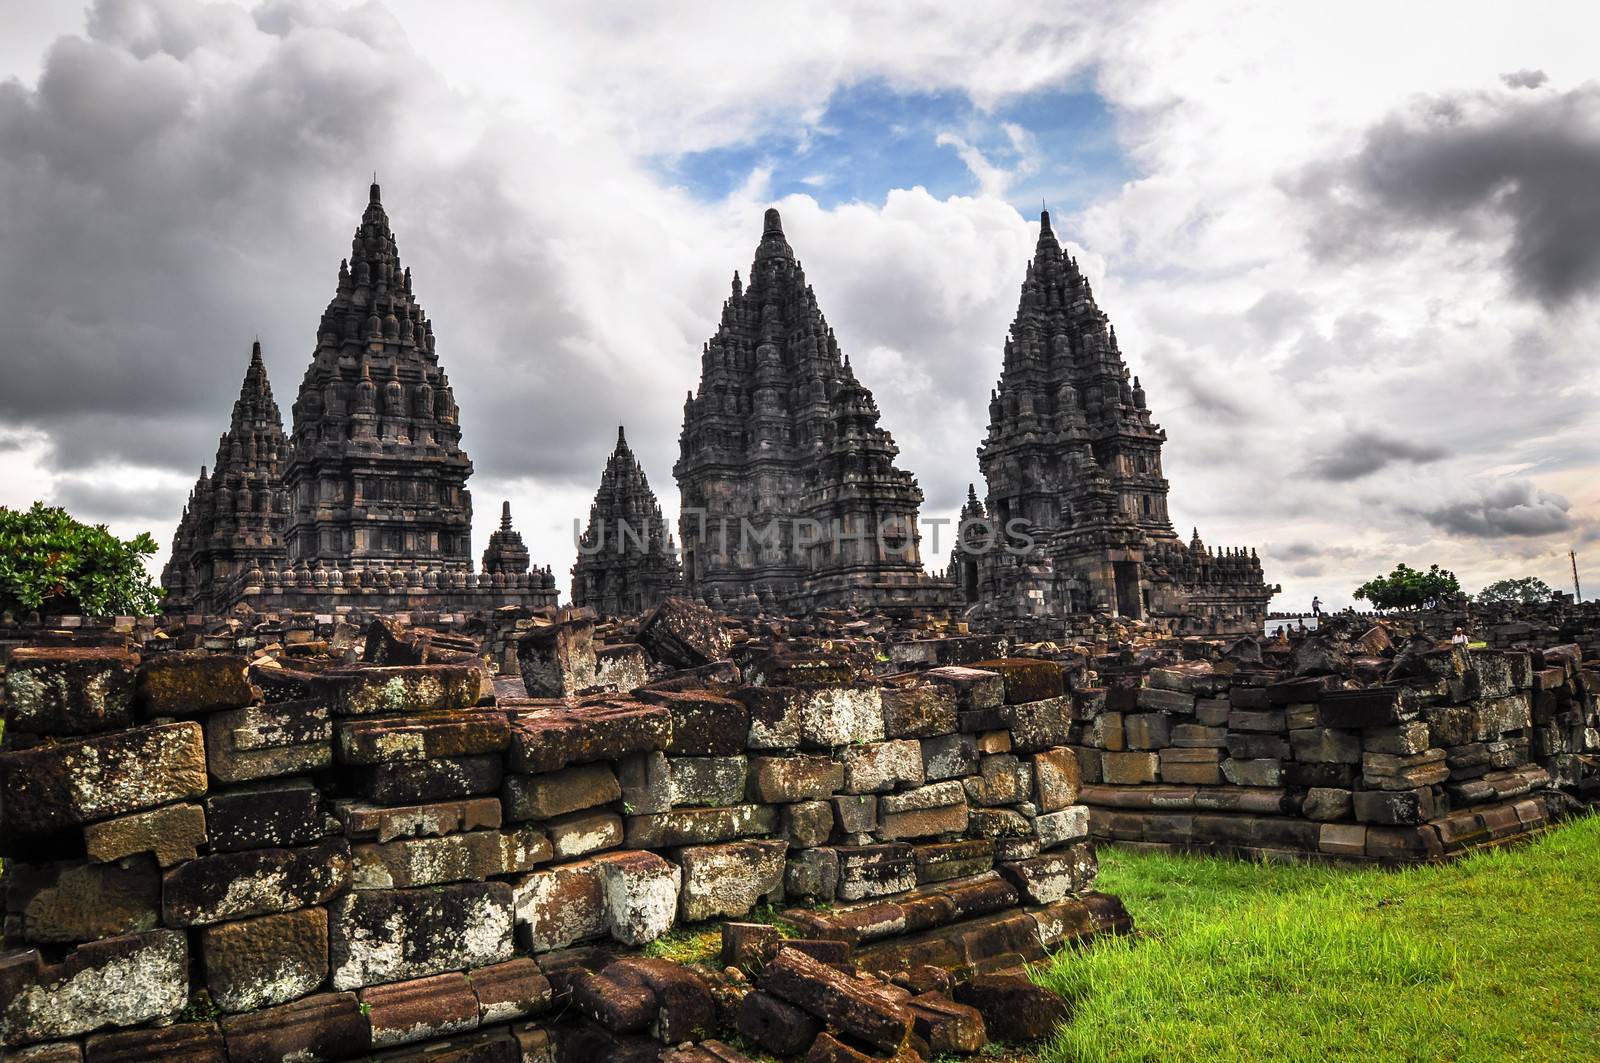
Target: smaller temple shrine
(627, 559)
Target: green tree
(1529, 590)
(1408, 588)
(54, 564)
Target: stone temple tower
(378, 477)
(791, 500)
(627, 561)
(236, 516)
(1072, 460)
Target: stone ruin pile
(223, 853)
(1360, 750)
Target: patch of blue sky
(1058, 145)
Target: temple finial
(505, 515)
(372, 193)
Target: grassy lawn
(1496, 957)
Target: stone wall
(1363, 752)
(272, 853)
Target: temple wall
(255, 851)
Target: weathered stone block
(1002, 779)
(320, 1029)
(192, 682)
(402, 738)
(258, 963)
(918, 710)
(794, 778)
(69, 690)
(1325, 745)
(69, 902)
(1199, 767)
(806, 824)
(366, 690)
(191, 1042)
(409, 782)
(1062, 827)
(408, 862)
(703, 724)
(267, 741)
(881, 766)
(1155, 700)
(685, 1007)
(1053, 877)
(119, 981)
(639, 894)
(561, 905)
(1013, 1008)
(875, 870)
(855, 813)
(840, 715)
(581, 833)
(811, 875)
(266, 815)
(550, 739)
(1056, 779)
(776, 1026)
(696, 826)
(943, 861)
(255, 882)
(384, 824)
(707, 781)
(386, 935)
(1253, 772)
(420, 1009)
(559, 792)
(510, 990)
(50, 787)
(843, 1002)
(1395, 807)
(1324, 803)
(683, 634)
(949, 756)
(1385, 771)
(1026, 678)
(1123, 769)
(1372, 707)
(975, 689)
(728, 880)
(173, 833)
(1249, 746)
(557, 660)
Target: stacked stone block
(1440, 750)
(290, 857)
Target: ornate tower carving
(627, 561)
(786, 479)
(235, 519)
(378, 477)
(1072, 460)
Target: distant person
(1316, 607)
(1459, 639)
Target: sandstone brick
(68, 902)
(192, 682)
(843, 1002)
(385, 935)
(1056, 779)
(811, 875)
(1026, 679)
(696, 826)
(776, 1026)
(400, 738)
(918, 710)
(581, 833)
(408, 862)
(1129, 768)
(943, 861)
(557, 660)
(420, 1009)
(326, 1027)
(703, 724)
(881, 766)
(1062, 827)
(875, 870)
(1002, 779)
(173, 833)
(1342, 839)
(510, 990)
(265, 815)
(559, 792)
(561, 905)
(683, 634)
(707, 781)
(262, 962)
(69, 690)
(268, 741)
(974, 689)
(806, 824)
(366, 690)
(1052, 877)
(1326, 745)
(640, 893)
(855, 813)
(190, 1042)
(384, 823)
(949, 757)
(256, 882)
(1324, 803)
(415, 782)
(1201, 767)
(727, 880)
(794, 778)
(50, 787)
(1253, 772)
(118, 981)
(550, 739)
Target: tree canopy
(1529, 590)
(54, 564)
(1409, 588)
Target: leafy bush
(1407, 588)
(1529, 590)
(54, 564)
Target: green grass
(1491, 958)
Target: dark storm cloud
(116, 502)
(1500, 509)
(1525, 79)
(1466, 163)
(1363, 453)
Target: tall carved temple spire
(784, 475)
(1072, 460)
(235, 518)
(378, 478)
(505, 552)
(627, 561)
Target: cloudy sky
(1352, 250)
